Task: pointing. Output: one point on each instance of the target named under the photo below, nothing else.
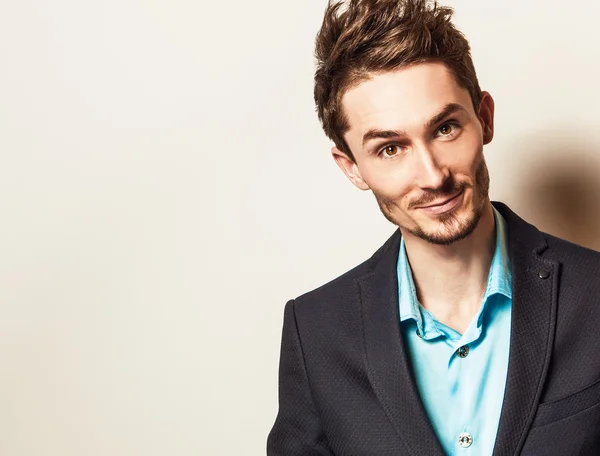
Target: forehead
(403, 98)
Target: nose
(431, 174)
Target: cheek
(467, 156)
(388, 180)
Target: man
(469, 331)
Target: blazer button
(543, 273)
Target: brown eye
(446, 129)
(390, 151)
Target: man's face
(418, 145)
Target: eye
(447, 130)
(390, 151)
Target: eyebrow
(450, 108)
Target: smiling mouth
(432, 206)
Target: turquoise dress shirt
(461, 378)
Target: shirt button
(463, 351)
(465, 440)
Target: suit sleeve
(297, 430)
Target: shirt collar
(500, 276)
(499, 282)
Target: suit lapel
(535, 283)
(535, 287)
(386, 357)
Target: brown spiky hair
(360, 38)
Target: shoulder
(571, 253)
(580, 266)
(523, 235)
(343, 289)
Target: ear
(486, 116)
(349, 167)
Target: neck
(453, 290)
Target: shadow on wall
(561, 191)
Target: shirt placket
(463, 430)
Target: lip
(444, 206)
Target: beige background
(165, 188)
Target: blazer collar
(535, 284)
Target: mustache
(447, 190)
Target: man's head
(397, 92)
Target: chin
(448, 228)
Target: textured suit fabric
(346, 385)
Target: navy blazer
(345, 381)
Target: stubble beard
(452, 228)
